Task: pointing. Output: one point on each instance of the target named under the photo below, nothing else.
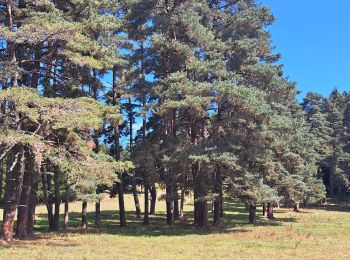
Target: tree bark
(14, 189)
(33, 200)
(252, 214)
(133, 181)
(23, 207)
(66, 209)
(48, 201)
(182, 202)
(176, 204)
(146, 192)
(169, 205)
(202, 207)
(218, 199)
(269, 211)
(56, 220)
(11, 46)
(120, 185)
(136, 197)
(122, 215)
(153, 199)
(98, 213)
(264, 209)
(195, 194)
(84, 215)
(297, 207)
(33, 195)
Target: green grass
(319, 233)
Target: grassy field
(319, 233)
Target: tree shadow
(235, 220)
(339, 204)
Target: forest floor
(319, 233)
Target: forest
(162, 100)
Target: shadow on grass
(235, 220)
(339, 204)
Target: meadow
(321, 232)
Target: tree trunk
(146, 192)
(47, 190)
(136, 197)
(182, 202)
(269, 211)
(218, 199)
(98, 213)
(66, 207)
(297, 207)
(195, 194)
(22, 211)
(201, 204)
(120, 185)
(202, 208)
(66, 210)
(84, 215)
(153, 199)
(33, 199)
(252, 214)
(176, 204)
(11, 46)
(169, 205)
(56, 220)
(263, 209)
(122, 215)
(14, 189)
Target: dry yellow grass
(319, 233)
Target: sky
(314, 40)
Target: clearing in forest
(319, 233)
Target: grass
(319, 233)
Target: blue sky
(314, 40)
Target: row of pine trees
(107, 96)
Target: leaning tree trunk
(136, 196)
(84, 215)
(13, 190)
(23, 207)
(252, 214)
(56, 219)
(269, 211)
(153, 199)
